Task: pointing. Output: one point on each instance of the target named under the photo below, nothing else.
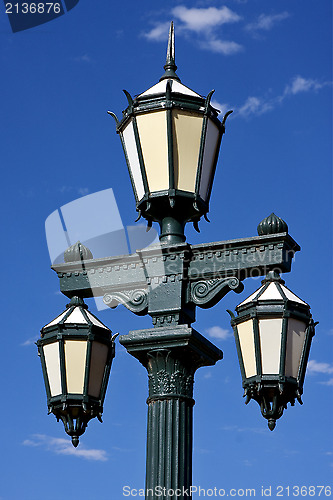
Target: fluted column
(171, 357)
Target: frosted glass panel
(246, 339)
(52, 360)
(76, 316)
(99, 353)
(295, 342)
(153, 137)
(186, 145)
(212, 136)
(75, 362)
(271, 293)
(270, 344)
(132, 154)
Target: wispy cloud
(255, 106)
(265, 22)
(62, 446)
(219, 333)
(204, 19)
(315, 367)
(300, 84)
(85, 58)
(221, 107)
(30, 341)
(221, 46)
(158, 33)
(204, 24)
(318, 367)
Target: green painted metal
(168, 281)
(180, 205)
(273, 391)
(170, 65)
(75, 410)
(171, 357)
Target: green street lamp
(76, 352)
(171, 138)
(273, 332)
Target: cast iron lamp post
(171, 138)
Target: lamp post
(171, 138)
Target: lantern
(171, 139)
(76, 352)
(273, 332)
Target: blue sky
(271, 63)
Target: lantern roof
(176, 86)
(273, 289)
(170, 74)
(76, 313)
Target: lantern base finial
(75, 441)
(271, 424)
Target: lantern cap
(170, 64)
(170, 75)
(76, 313)
(273, 288)
(272, 225)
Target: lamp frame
(278, 387)
(60, 332)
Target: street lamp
(273, 332)
(76, 352)
(171, 138)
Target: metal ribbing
(169, 446)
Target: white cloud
(255, 106)
(159, 32)
(203, 20)
(300, 84)
(30, 341)
(222, 108)
(328, 382)
(219, 333)
(266, 22)
(317, 367)
(62, 446)
(221, 46)
(84, 58)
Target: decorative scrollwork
(135, 301)
(206, 293)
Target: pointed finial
(170, 65)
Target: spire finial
(170, 65)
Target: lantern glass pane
(187, 129)
(52, 361)
(153, 137)
(212, 137)
(99, 354)
(133, 159)
(295, 342)
(246, 340)
(75, 362)
(270, 333)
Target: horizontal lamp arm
(241, 257)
